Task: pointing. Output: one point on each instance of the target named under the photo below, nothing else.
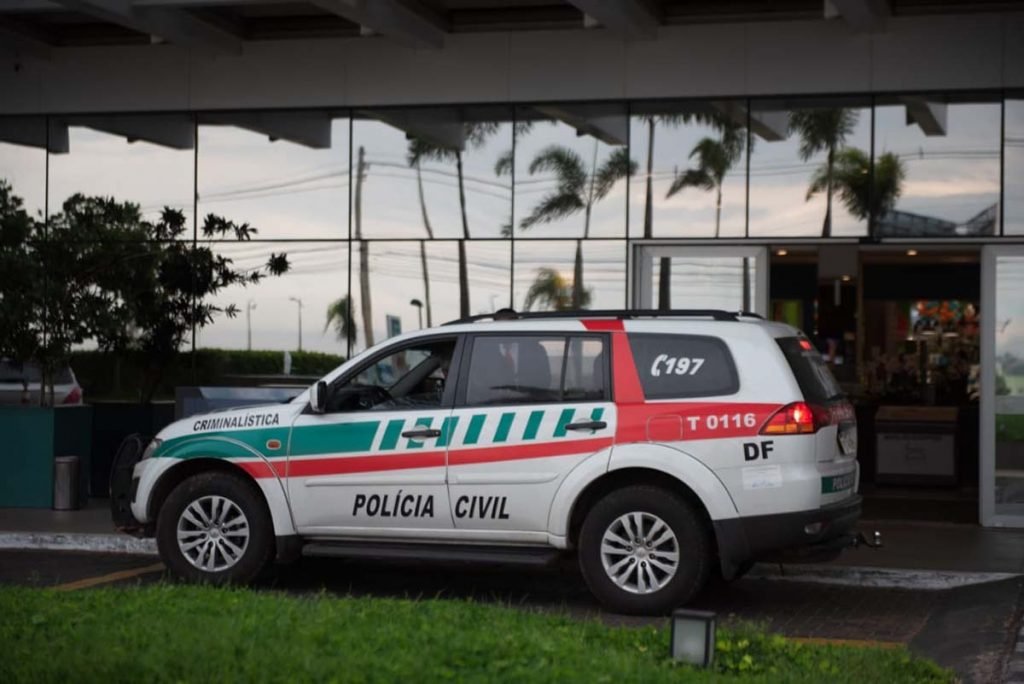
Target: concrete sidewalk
(87, 529)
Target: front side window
(536, 369)
(411, 377)
(683, 366)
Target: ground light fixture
(693, 637)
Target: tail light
(798, 418)
(74, 396)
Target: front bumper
(815, 534)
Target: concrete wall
(973, 51)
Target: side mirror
(318, 396)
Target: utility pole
(299, 302)
(364, 250)
(248, 324)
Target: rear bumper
(812, 534)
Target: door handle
(421, 434)
(587, 425)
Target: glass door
(700, 277)
(1002, 386)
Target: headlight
(151, 448)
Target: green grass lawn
(179, 633)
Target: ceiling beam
(403, 22)
(311, 129)
(176, 131)
(863, 16)
(610, 128)
(628, 18)
(31, 132)
(170, 24)
(21, 43)
(930, 117)
(441, 127)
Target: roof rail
(715, 314)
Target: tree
(715, 157)
(475, 135)
(823, 130)
(98, 271)
(414, 156)
(866, 192)
(577, 190)
(341, 315)
(551, 291)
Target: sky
(290, 192)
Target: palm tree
(577, 191)
(413, 158)
(341, 315)
(824, 130)
(475, 135)
(364, 248)
(551, 290)
(866, 192)
(715, 157)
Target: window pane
(1009, 386)
(677, 366)
(285, 172)
(23, 160)
(798, 149)
(146, 160)
(694, 183)
(411, 378)
(699, 282)
(571, 166)
(432, 173)
(936, 167)
(585, 371)
(1013, 176)
(514, 370)
(545, 275)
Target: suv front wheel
(643, 550)
(215, 528)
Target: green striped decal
(476, 424)
(391, 434)
(564, 418)
(533, 425)
(597, 413)
(504, 425)
(447, 430)
(420, 422)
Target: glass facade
(395, 218)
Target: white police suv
(659, 446)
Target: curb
(876, 578)
(97, 543)
(1014, 673)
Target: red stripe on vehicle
(627, 383)
(691, 420)
(602, 324)
(524, 451)
(365, 464)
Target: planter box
(33, 436)
(111, 423)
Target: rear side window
(816, 381)
(682, 366)
(525, 369)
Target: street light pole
(299, 302)
(248, 324)
(419, 310)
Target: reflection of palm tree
(577, 190)
(823, 130)
(865, 192)
(364, 249)
(715, 157)
(475, 135)
(551, 291)
(341, 316)
(414, 161)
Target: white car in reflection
(21, 383)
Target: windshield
(812, 374)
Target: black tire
(257, 551)
(693, 546)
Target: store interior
(900, 328)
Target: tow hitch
(874, 543)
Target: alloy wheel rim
(640, 553)
(213, 533)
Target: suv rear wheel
(644, 550)
(215, 527)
